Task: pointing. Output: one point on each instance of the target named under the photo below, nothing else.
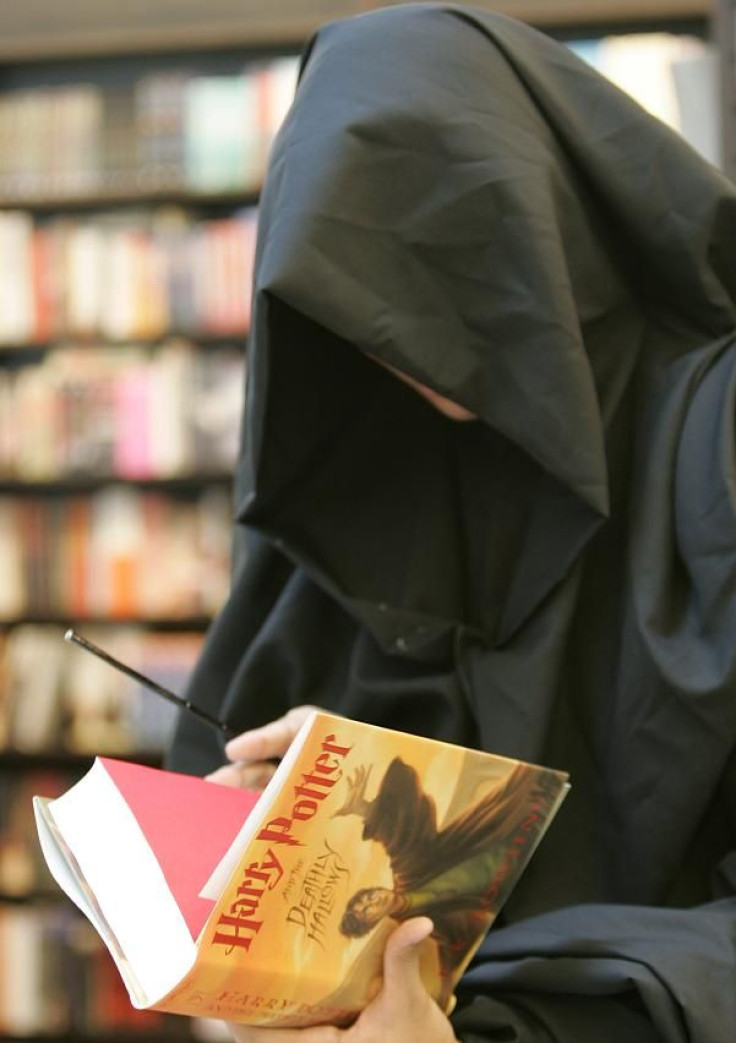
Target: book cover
(276, 912)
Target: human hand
(402, 1010)
(252, 752)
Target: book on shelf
(160, 103)
(273, 908)
(13, 596)
(16, 288)
(697, 85)
(221, 133)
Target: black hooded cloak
(462, 198)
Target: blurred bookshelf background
(132, 148)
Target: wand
(184, 704)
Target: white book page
(118, 866)
(65, 871)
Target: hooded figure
(458, 197)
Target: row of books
(673, 76)
(82, 705)
(118, 553)
(124, 275)
(57, 978)
(166, 130)
(140, 275)
(183, 130)
(131, 412)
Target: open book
(273, 908)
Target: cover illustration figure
(456, 874)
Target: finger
(271, 740)
(401, 962)
(245, 776)
(318, 1034)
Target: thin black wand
(72, 635)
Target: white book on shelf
(170, 407)
(35, 695)
(218, 132)
(40, 452)
(16, 284)
(118, 317)
(85, 275)
(697, 84)
(283, 74)
(24, 1012)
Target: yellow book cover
(274, 909)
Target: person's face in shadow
(444, 405)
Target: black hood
(450, 207)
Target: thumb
(401, 961)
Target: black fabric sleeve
(605, 973)
(486, 1019)
(554, 1020)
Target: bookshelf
(101, 496)
(125, 261)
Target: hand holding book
(402, 1010)
(253, 754)
(279, 909)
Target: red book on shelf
(76, 560)
(132, 455)
(41, 277)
